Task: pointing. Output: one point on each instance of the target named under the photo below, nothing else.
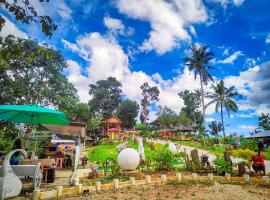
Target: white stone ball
(128, 159)
(172, 148)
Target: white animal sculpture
(141, 149)
(10, 184)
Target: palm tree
(223, 97)
(198, 62)
(214, 129)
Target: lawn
(101, 153)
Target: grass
(103, 152)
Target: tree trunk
(203, 108)
(202, 96)
(223, 128)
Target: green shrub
(222, 166)
(164, 159)
(226, 140)
(245, 154)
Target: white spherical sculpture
(128, 159)
(172, 148)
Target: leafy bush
(248, 144)
(222, 166)
(164, 159)
(245, 154)
(115, 168)
(226, 139)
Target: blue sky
(138, 41)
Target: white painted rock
(172, 148)
(128, 159)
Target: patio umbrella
(32, 114)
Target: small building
(112, 124)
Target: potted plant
(245, 155)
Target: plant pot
(241, 169)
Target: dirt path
(188, 192)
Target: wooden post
(116, 183)
(163, 178)
(179, 177)
(228, 176)
(36, 194)
(148, 179)
(195, 175)
(98, 186)
(246, 177)
(79, 186)
(59, 191)
(266, 179)
(132, 180)
(210, 176)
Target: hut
(112, 124)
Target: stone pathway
(211, 156)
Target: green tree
(35, 76)
(198, 62)
(94, 122)
(26, 13)
(214, 129)
(183, 119)
(167, 118)
(192, 102)
(223, 97)
(149, 94)
(128, 111)
(264, 121)
(106, 96)
(80, 112)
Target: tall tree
(26, 13)
(223, 97)
(80, 112)
(128, 111)
(264, 121)
(106, 96)
(167, 118)
(35, 76)
(149, 94)
(198, 62)
(215, 128)
(192, 102)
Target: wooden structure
(112, 124)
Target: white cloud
(245, 115)
(168, 20)
(64, 11)
(114, 25)
(254, 84)
(106, 58)
(225, 3)
(210, 119)
(231, 58)
(267, 39)
(11, 29)
(247, 127)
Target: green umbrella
(32, 114)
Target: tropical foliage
(198, 62)
(223, 97)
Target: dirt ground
(198, 192)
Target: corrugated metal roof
(262, 134)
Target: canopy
(32, 114)
(263, 134)
(73, 129)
